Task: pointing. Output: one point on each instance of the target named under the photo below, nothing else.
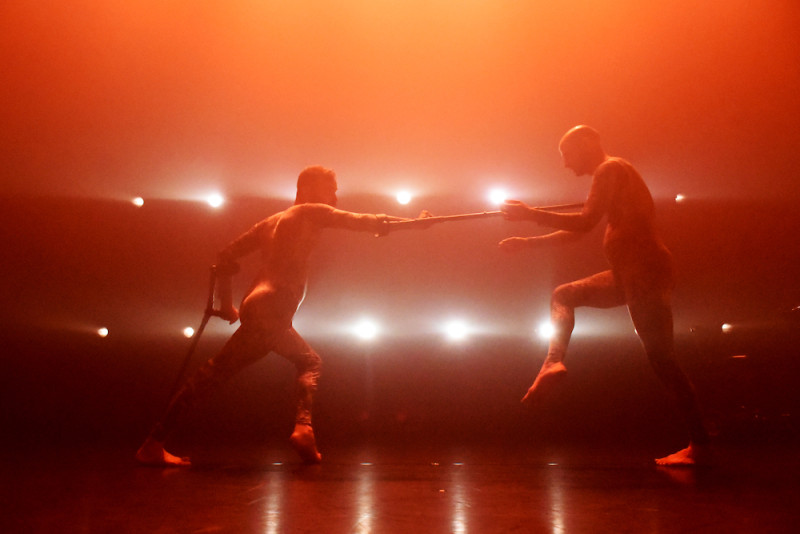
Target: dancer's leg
(308, 364)
(598, 291)
(243, 348)
(654, 324)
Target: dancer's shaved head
(581, 134)
(581, 150)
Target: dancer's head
(316, 184)
(581, 150)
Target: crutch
(207, 314)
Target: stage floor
(423, 488)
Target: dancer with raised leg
(640, 277)
(285, 240)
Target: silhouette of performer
(285, 240)
(640, 277)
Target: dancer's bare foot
(549, 375)
(152, 453)
(691, 456)
(302, 439)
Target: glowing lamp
(497, 196)
(456, 330)
(403, 197)
(366, 330)
(679, 198)
(102, 332)
(138, 202)
(215, 200)
(546, 330)
(188, 331)
(727, 327)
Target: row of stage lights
(496, 196)
(454, 330)
(216, 200)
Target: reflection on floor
(482, 489)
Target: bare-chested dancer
(640, 277)
(285, 241)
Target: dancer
(285, 241)
(640, 277)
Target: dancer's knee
(563, 295)
(308, 368)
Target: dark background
(104, 101)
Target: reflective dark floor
(424, 488)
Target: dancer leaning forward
(285, 241)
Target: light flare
(404, 197)
(456, 330)
(366, 329)
(545, 330)
(497, 196)
(215, 200)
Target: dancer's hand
(515, 210)
(230, 314)
(424, 214)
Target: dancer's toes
(549, 376)
(152, 453)
(691, 456)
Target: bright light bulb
(138, 202)
(404, 197)
(456, 330)
(679, 198)
(366, 329)
(727, 327)
(188, 331)
(215, 200)
(546, 330)
(102, 332)
(497, 196)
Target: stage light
(679, 198)
(138, 202)
(403, 197)
(727, 327)
(545, 330)
(456, 330)
(188, 331)
(102, 332)
(215, 200)
(497, 196)
(366, 329)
